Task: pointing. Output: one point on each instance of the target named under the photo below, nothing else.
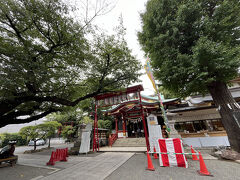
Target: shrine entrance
(124, 105)
(130, 118)
(129, 109)
(135, 129)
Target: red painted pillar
(95, 129)
(125, 123)
(124, 126)
(116, 125)
(97, 133)
(144, 123)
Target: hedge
(6, 137)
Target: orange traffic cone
(155, 154)
(203, 169)
(194, 156)
(51, 161)
(150, 165)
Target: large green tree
(194, 46)
(48, 129)
(47, 62)
(30, 133)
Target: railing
(112, 138)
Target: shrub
(6, 137)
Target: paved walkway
(37, 160)
(143, 150)
(135, 169)
(93, 166)
(98, 167)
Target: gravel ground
(19, 172)
(135, 167)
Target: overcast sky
(130, 11)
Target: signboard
(118, 99)
(154, 131)
(113, 98)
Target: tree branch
(4, 122)
(9, 105)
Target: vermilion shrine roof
(148, 102)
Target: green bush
(105, 124)
(68, 132)
(6, 137)
(108, 124)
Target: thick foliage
(192, 43)
(6, 137)
(68, 132)
(47, 63)
(105, 124)
(48, 129)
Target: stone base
(230, 155)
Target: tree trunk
(229, 110)
(49, 142)
(35, 145)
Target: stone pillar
(173, 131)
(77, 142)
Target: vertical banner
(148, 69)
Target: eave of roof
(190, 108)
(144, 103)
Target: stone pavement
(205, 155)
(112, 160)
(92, 168)
(135, 169)
(36, 160)
(20, 172)
(118, 165)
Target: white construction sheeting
(207, 141)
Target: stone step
(129, 145)
(130, 142)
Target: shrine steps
(130, 142)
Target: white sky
(130, 11)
